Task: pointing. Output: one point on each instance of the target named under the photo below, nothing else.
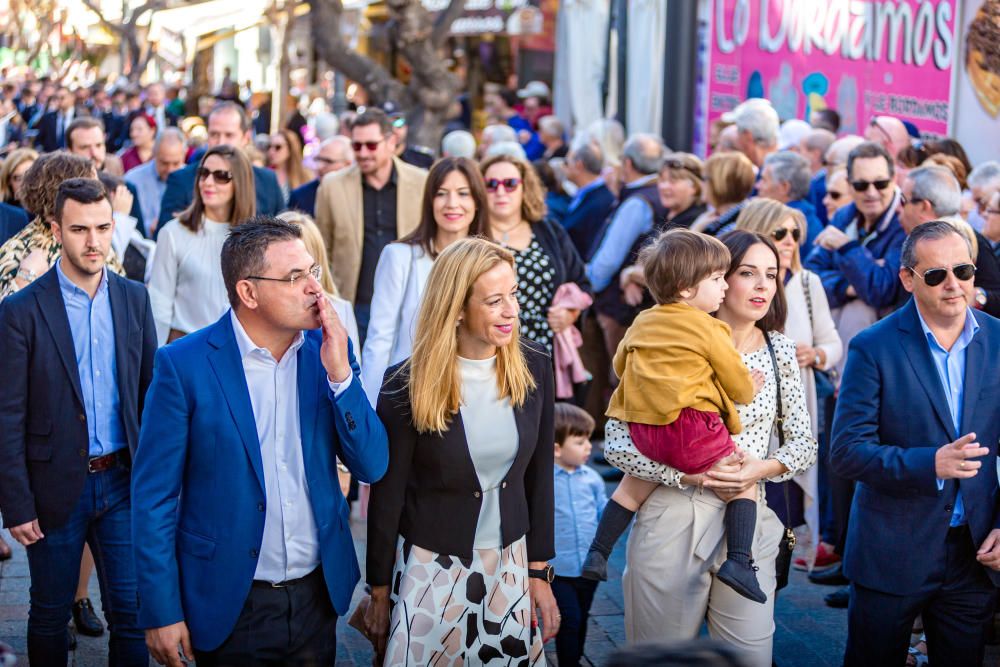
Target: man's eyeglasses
(862, 186)
(370, 145)
(992, 211)
(904, 200)
(509, 184)
(316, 271)
(781, 232)
(834, 195)
(934, 277)
(220, 176)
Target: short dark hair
(80, 190)
(678, 260)
(571, 421)
(373, 116)
(232, 106)
(245, 251)
(866, 150)
(928, 231)
(739, 242)
(827, 119)
(82, 123)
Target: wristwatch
(546, 574)
(818, 361)
(980, 298)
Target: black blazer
(44, 447)
(12, 220)
(566, 263)
(431, 495)
(303, 198)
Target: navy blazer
(585, 222)
(12, 220)
(48, 132)
(892, 417)
(180, 193)
(44, 446)
(303, 198)
(198, 497)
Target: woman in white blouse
(678, 541)
(817, 344)
(186, 289)
(454, 207)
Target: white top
(400, 279)
(186, 289)
(290, 546)
(491, 433)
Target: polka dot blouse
(758, 419)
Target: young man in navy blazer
(917, 425)
(242, 540)
(77, 359)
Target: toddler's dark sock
(739, 572)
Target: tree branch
(442, 25)
(113, 27)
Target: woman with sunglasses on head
(454, 207)
(284, 156)
(544, 255)
(186, 289)
(817, 344)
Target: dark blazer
(12, 220)
(431, 495)
(43, 425)
(48, 137)
(198, 497)
(566, 263)
(584, 222)
(988, 275)
(891, 418)
(303, 198)
(180, 193)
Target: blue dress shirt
(579, 502)
(950, 366)
(632, 219)
(150, 190)
(93, 331)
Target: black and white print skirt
(449, 611)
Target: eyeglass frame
(947, 270)
(372, 146)
(316, 271)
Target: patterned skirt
(449, 611)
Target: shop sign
(500, 17)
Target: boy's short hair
(571, 420)
(679, 259)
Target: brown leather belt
(109, 461)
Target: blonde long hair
(763, 216)
(434, 384)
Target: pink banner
(860, 57)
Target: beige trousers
(674, 550)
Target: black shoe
(742, 579)
(70, 639)
(832, 577)
(86, 620)
(595, 566)
(838, 599)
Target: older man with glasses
(335, 154)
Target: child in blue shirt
(580, 498)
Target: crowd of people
(214, 335)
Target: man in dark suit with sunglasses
(917, 426)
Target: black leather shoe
(832, 577)
(595, 566)
(742, 579)
(86, 620)
(838, 599)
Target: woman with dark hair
(544, 255)
(454, 207)
(678, 541)
(284, 156)
(185, 284)
(142, 134)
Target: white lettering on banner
(876, 30)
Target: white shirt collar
(247, 346)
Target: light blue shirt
(580, 498)
(150, 189)
(632, 219)
(950, 366)
(93, 331)
(582, 192)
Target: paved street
(808, 634)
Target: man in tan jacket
(362, 209)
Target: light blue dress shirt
(580, 498)
(950, 366)
(93, 331)
(632, 219)
(150, 189)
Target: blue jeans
(102, 519)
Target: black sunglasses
(834, 195)
(780, 233)
(219, 175)
(934, 277)
(509, 184)
(904, 200)
(861, 186)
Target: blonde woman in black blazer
(460, 528)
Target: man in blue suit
(12, 220)
(917, 426)
(227, 124)
(593, 201)
(242, 540)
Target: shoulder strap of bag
(809, 298)
(779, 419)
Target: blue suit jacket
(180, 193)
(303, 198)
(892, 416)
(585, 222)
(198, 499)
(12, 220)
